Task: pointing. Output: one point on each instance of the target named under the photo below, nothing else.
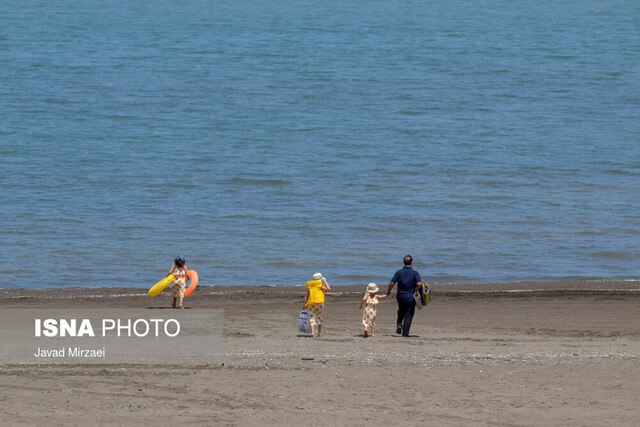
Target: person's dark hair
(408, 260)
(179, 261)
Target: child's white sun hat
(372, 288)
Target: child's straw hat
(372, 288)
(317, 276)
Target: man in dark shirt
(407, 280)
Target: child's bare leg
(313, 330)
(181, 298)
(173, 302)
(373, 327)
(319, 330)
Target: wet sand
(536, 353)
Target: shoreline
(205, 296)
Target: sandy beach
(538, 353)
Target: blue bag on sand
(303, 322)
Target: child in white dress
(370, 300)
(179, 271)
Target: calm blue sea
(268, 140)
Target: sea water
(269, 140)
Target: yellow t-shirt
(316, 294)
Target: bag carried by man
(422, 295)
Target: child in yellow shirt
(314, 302)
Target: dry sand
(564, 353)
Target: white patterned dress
(369, 313)
(315, 313)
(179, 281)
